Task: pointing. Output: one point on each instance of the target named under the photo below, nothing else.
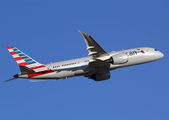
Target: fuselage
(96, 66)
(79, 66)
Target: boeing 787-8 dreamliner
(97, 66)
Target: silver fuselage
(79, 67)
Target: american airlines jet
(97, 66)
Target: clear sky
(47, 30)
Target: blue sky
(48, 32)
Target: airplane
(96, 66)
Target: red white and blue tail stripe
(20, 57)
(24, 60)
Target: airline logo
(141, 50)
(132, 53)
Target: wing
(97, 53)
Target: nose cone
(159, 55)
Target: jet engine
(100, 76)
(120, 58)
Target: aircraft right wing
(97, 53)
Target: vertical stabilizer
(26, 63)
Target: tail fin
(26, 63)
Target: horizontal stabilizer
(10, 79)
(25, 70)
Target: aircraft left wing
(97, 53)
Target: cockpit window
(155, 49)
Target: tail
(27, 64)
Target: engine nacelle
(120, 58)
(100, 76)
